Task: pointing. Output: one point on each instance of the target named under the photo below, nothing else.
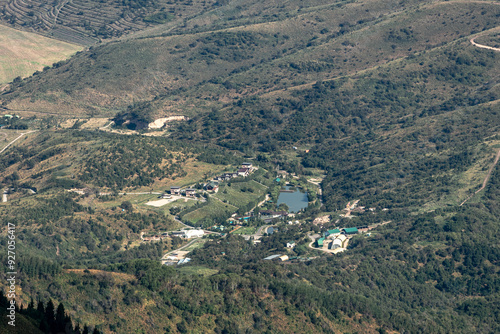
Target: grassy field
(23, 53)
(198, 270)
(246, 230)
(213, 209)
(6, 136)
(234, 195)
(195, 245)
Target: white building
(188, 234)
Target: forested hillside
(390, 104)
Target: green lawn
(215, 208)
(197, 270)
(241, 193)
(246, 230)
(197, 244)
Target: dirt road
(483, 46)
(12, 142)
(485, 182)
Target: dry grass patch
(23, 53)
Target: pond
(296, 200)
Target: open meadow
(23, 53)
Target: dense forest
(42, 318)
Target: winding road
(483, 46)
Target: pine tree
(60, 321)
(49, 314)
(44, 326)
(31, 305)
(40, 309)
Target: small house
(175, 190)
(246, 165)
(212, 186)
(190, 192)
(290, 244)
(320, 242)
(243, 172)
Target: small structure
(212, 186)
(350, 230)
(283, 258)
(272, 257)
(246, 165)
(165, 196)
(175, 190)
(333, 232)
(188, 234)
(191, 192)
(290, 244)
(272, 214)
(337, 243)
(320, 242)
(243, 172)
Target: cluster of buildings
(186, 234)
(212, 186)
(336, 238)
(189, 192)
(246, 169)
(269, 215)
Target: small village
(329, 240)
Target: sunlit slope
(23, 53)
(199, 69)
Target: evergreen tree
(40, 309)
(44, 326)
(60, 321)
(50, 314)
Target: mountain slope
(193, 72)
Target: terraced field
(86, 22)
(23, 53)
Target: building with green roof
(334, 231)
(320, 242)
(351, 230)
